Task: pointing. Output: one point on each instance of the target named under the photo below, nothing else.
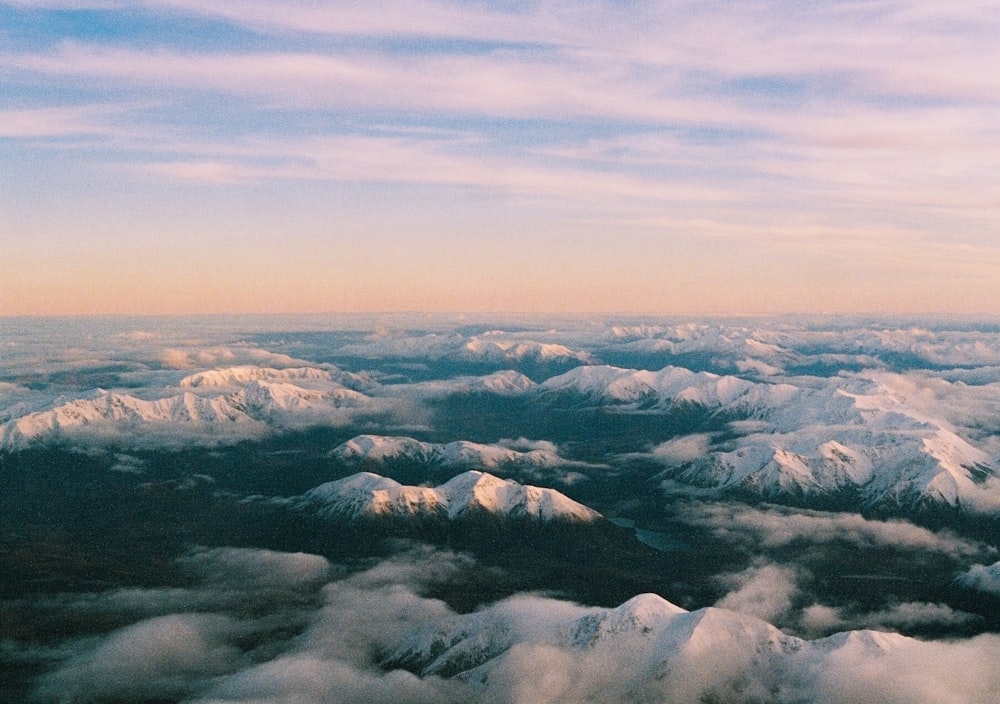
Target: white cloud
(925, 673)
(255, 568)
(764, 591)
(206, 357)
(523, 444)
(913, 615)
(342, 629)
(773, 527)
(59, 121)
(686, 448)
(159, 657)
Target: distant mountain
(663, 389)
(496, 348)
(484, 348)
(469, 495)
(242, 375)
(502, 383)
(364, 450)
(847, 436)
(255, 401)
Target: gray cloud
(985, 578)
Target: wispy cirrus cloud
(839, 124)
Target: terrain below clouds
(190, 511)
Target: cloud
(523, 444)
(254, 624)
(775, 527)
(681, 450)
(912, 615)
(923, 673)
(129, 464)
(984, 578)
(203, 357)
(307, 679)
(550, 62)
(82, 120)
(159, 657)
(818, 619)
(359, 617)
(764, 591)
(254, 568)
(324, 640)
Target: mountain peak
(368, 494)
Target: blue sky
(195, 156)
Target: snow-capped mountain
(106, 407)
(738, 345)
(667, 387)
(245, 374)
(502, 383)
(652, 646)
(497, 350)
(921, 467)
(368, 495)
(254, 403)
(461, 454)
(779, 346)
(844, 435)
(494, 347)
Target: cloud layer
(260, 626)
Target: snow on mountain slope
(109, 409)
(782, 344)
(656, 650)
(368, 495)
(666, 387)
(502, 383)
(245, 374)
(460, 454)
(256, 403)
(485, 348)
(231, 376)
(478, 491)
(260, 399)
(496, 347)
(646, 615)
(890, 458)
(831, 436)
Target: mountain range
(651, 649)
(471, 494)
(850, 438)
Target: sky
(201, 156)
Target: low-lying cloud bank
(262, 626)
(777, 527)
